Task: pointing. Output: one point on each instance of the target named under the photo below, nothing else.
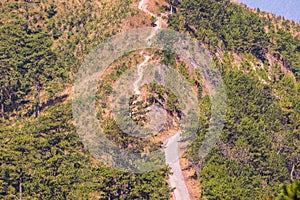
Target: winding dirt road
(176, 179)
(140, 74)
(143, 7)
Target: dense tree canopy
(43, 43)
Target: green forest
(259, 148)
(42, 45)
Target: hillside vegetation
(259, 147)
(42, 45)
(44, 42)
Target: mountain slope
(259, 147)
(42, 45)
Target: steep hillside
(258, 150)
(42, 45)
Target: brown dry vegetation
(137, 18)
(192, 183)
(155, 6)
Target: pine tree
(290, 192)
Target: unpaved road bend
(140, 74)
(176, 179)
